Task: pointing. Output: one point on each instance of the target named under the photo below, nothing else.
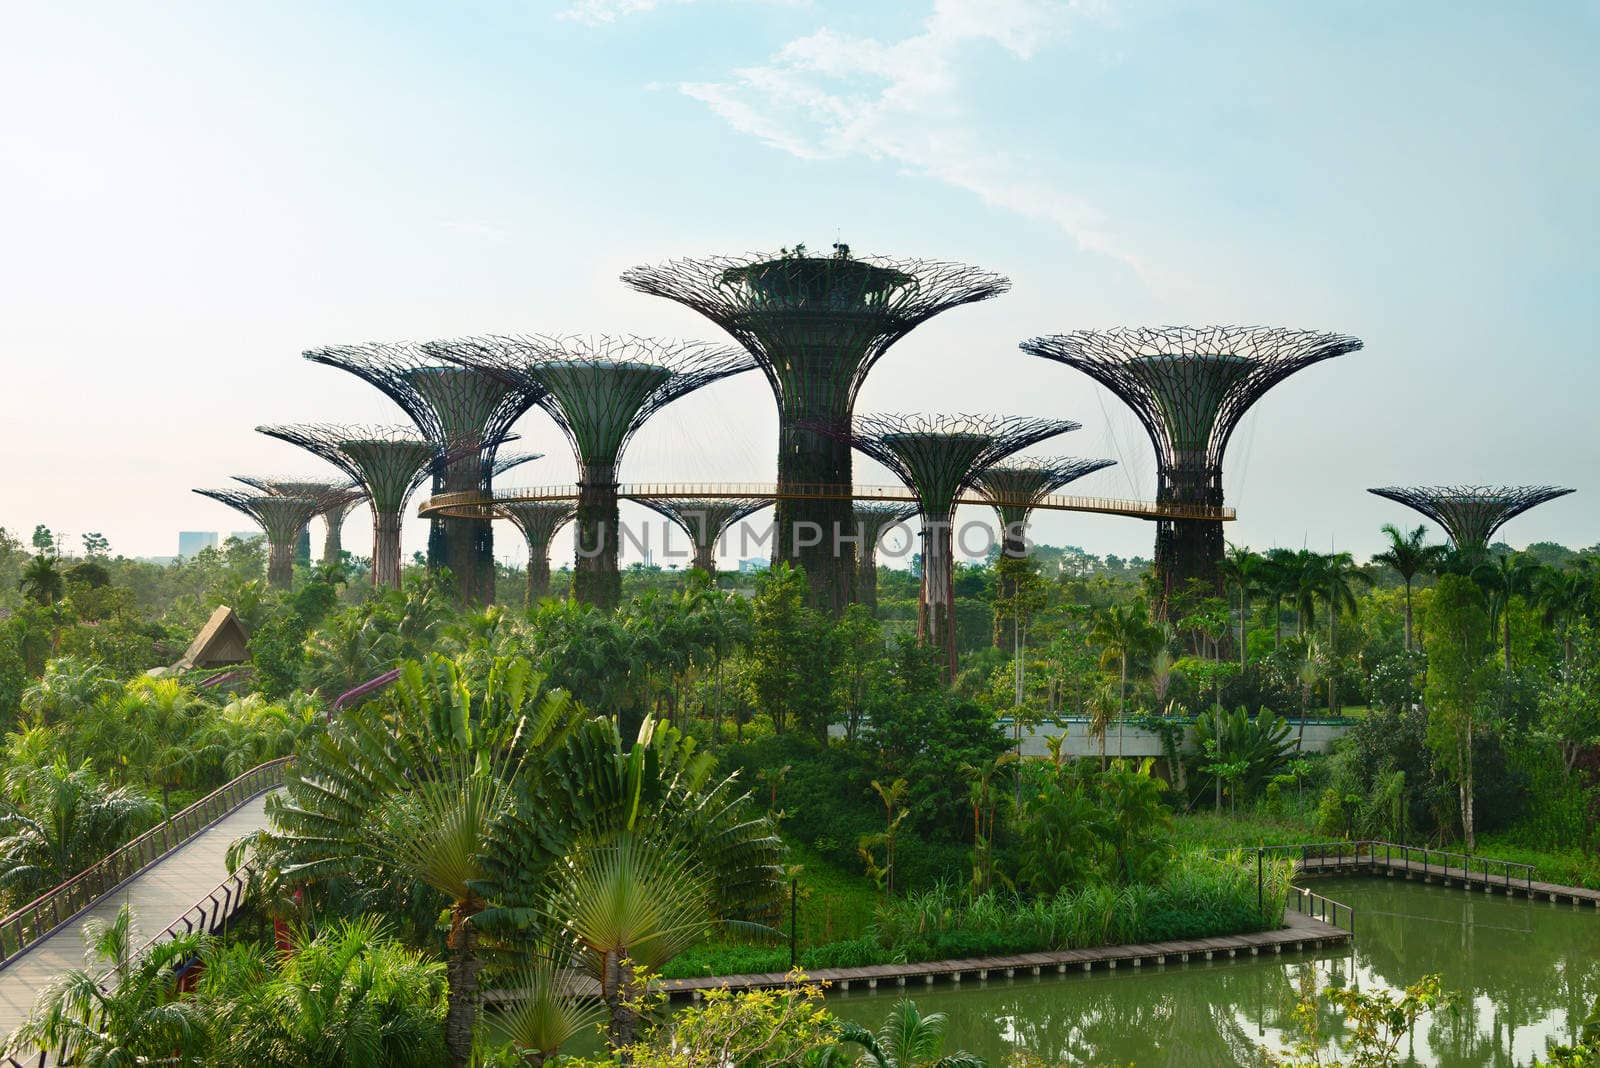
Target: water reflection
(1525, 969)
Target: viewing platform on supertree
(280, 518)
(1470, 515)
(937, 457)
(873, 520)
(539, 522)
(705, 520)
(816, 325)
(600, 391)
(389, 462)
(1015, 487)
(1189, 387)
(332, 516)
(449, 403)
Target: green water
(1527, 971)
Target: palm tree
(1565, 596)
(907, 1039)
(1501, 579)
(1307, 671)
(1278, 578)
(41, 580)
(1124, 633)
(1245, 570)
(1408, 555)
(123, 1009)
(57, 820)
(544, 1015)
(416, 793)
(1333, 578)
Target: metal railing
(1318, 907)
(38, 919)
(473, 504)
(1376, 853)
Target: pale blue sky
(194, 193)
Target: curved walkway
(159, 895)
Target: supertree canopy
(281, 518)
(539, 521)
(1015, 487)
(816, 325)
(872, 521)
(937, 457)
(705, 520)
(450, 404)
(600, 391)
(1471, 514)
(389, 462)
(341, 497)
(1190, 386)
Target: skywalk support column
(1190, 386)
(816, 325)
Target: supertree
(599, 391)
(938, 457)
(281, 518)
(339, 506)
(1471, 514)
(705, 520)
(389, 462)
(450, 404)
(539, 521)
(1189, 386)
(872, 522)
(816, 325)
(1015, 487)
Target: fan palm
(907, 1039)
(417, 793)
(1408, 555)
(545, 1014)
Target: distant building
(190, 542)
(753, 565)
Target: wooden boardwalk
(1447, 875)
(159, 895)
(1298, 933)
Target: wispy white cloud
(602, 12)
(830, 95)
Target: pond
(1527, 971)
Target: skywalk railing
(472, 504)
(38, 919)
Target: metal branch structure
(938, 457)
(816, 325)
(600, 391)
(1016, 487)
(341, 497)
(281, 518)
(1470, 515)
(872, 522)
(539, 522)
(1190, 386)
(705, 520)
(389, 462)
(449, 403)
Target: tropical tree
(544, 1012)
(1334, 578)
(41, 580)
(1245, 571)
(1124, 633)
(57, 820)
(1408, 556)
(907, 1039)
(124, 1008)
(1501, 579)
(413, 790)
(1460, 675)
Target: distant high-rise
(190, 542)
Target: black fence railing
(1319, 907)
(1380, 855)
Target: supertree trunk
(333, 536)
(1189, 552)
(280, 563)
(705, 559)
(386, 550)
(464, 545)
(596, 579)
(867, 581)
(538, 579)
(936, 618)
(815, 533)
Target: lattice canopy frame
(450, 404)
(1016, 486)
(332, 516)
(938, 457)
(872, 521)
(1470, 515)
(1189, 387)
(389, 462)
(281, 518)
(816, 325)
(539, 522)
(599, 390)
(705, 520)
